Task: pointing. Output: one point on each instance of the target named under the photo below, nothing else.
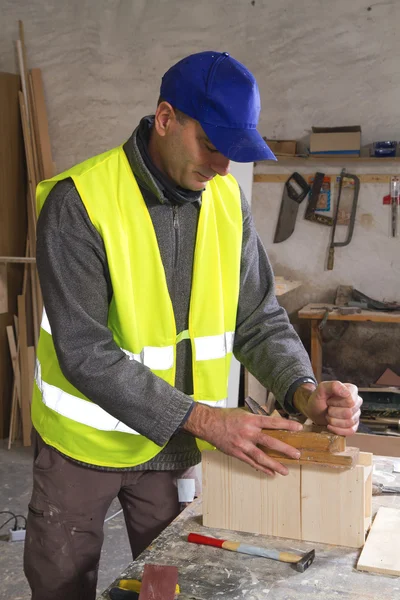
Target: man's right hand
(237, 432)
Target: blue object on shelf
(384, 149)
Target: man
(152, 274)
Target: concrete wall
(317, 62)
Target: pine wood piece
(12, 224)
(158, 582)
(237, 497)
(42, 124)
(24, 370)
(380, 553)
(312, 503)
(323, 441)
(335, 460)
(3, 289)
(17, 259)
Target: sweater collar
(147, 174)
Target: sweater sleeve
(265, 341)
(76, 289)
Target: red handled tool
(301, 563)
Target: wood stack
(23, 334)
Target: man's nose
(221, 165)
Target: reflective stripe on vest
(141, 316)
(84, 412)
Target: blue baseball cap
(222, 95)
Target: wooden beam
(25, 373)
(380, 553)
(3, 289)
(17, 259)
(309, 440)
(346, 459)
(312, 503)
(42, 124)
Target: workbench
(318, 312)
(207, 573)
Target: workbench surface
(207, 573)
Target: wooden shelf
(336, 159)
(283, 177)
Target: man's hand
(334, 404)
(238, 433)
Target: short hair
(181, 117)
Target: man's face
(188, 157)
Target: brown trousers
(66, 515)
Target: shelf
(283, 177)
(336, 159)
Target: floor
(15, 490)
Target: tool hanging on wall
(295, 190)
(394, 196)
(354, 187)
(310, 214)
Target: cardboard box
(282, 147)
(335, 141)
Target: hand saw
(295, 190)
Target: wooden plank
(380, 553)
(12, 224)
(333, 506)
(23, 66)
(317, 311)
(25, 376)
(17, 259)
(42, 124)
(158, 582)
(338, 460)
(32, 181)
(309, 440)
(311, 504)
(237, 497)
(3, 289)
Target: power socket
(17, 535)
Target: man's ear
(164, 118)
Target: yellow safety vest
(141, 315)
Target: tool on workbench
(301, 563)
(117, 593)
(254, 407)
(310, 214)
(378, 489)
(394, 196)
(355, 191)
(295, 190)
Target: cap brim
(240, 145)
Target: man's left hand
(336, 405)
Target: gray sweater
(76, 287)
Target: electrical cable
(8, 512)
(13, 516)
(5, 523)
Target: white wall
(317, 62)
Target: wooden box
(312, 503)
